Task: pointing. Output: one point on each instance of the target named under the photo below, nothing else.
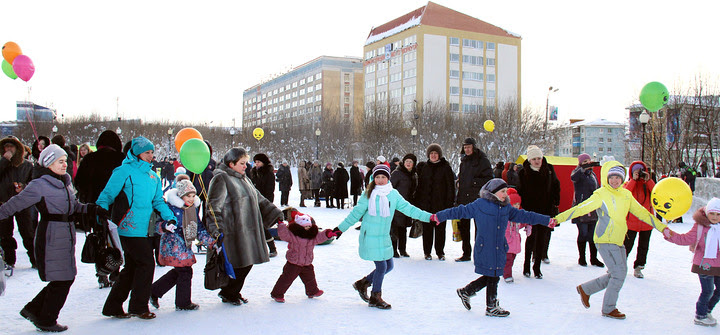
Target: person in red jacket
(641, 186)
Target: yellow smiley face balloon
(671, 198)
(258, 133)
(489, 125)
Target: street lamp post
(413, 132)
(232, 137)
(317, 143)
(118, 131)
(169, 148)
(644, 118)
(54, 130)
(547, 106)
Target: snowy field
(422, 294)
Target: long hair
(370, 188)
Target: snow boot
(154, 301)
(638, 272)
(581, 252)
(597, 262)
(465, 297)
(494, 309)
(103, 281)
(377, 301)
(362, 286)
(193, 306)
(56, 328)
(707, 321)
(302, 203)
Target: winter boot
(581, 252)
(302, 203)
(465, 297)
(526, 269)
(638, 272)
(615, 314)
(362, 286)
(584, 297)
(103, 281)
(154, 301)
(377, 301)
(193, 306)
(56, 328)
(494, 309)
(706, 321)
(597, 262)
(271, 246)
(593, 256)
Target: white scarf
(382, 192)
(712, 241)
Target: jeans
(376, 276)
(709, 295)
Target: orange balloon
(184, 135)
(11, 50)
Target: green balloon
(8, 70)
(195, 155)
(654, 96)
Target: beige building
(437, 54)
(325, 87)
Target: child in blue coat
(491, 212)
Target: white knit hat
(534, 151)
(713, 206)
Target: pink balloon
(23, 67)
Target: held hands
(336, 232)
(170, 226)
(329, 233)
(434, 219)
(553, 223)
(94, 209)
(667, 233)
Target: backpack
(697, 240)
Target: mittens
(553, 223)
(337, 232)
(434, 218)
(170, 226)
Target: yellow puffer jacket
(612, 205)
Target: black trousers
(484, 281)
(26, 228)
(643, 245)
(586, 232)
(316, 195)
(398, 234)
(355, 197)
(47, 304)
(340, 203)
(464, 228)
(284, 195)
(232, 290)
(181, 279)
(536, 247)
(136, 277)
(433, 233)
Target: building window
(454, 107)
(455, 74)
(382, 80)
(318, 76)
(491, 78)
(369, 83)
(397, 45)
(410, 40)
(410, 73)
(347, 89)
(302, 81)
(600, 149)
(600, 140)
(609, 140)
(454, 90)
(310, 79)
(382, 66)
(294, 84)
(609, 149)
(370, 68)
(491, 93)
(347, 76)
(302, 91)
(318, 87)
(454, 41)
(476, 76)
(491, 62)
(310, 88)
(454, 58)
(395, 94)
(409, 90)
(294, 94)
(490, 45)
(472, 44)
(410, 56)
(474, 60)
(395, 77)
(395, 61)
(609, 131)
(347, 100)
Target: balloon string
(207, 201)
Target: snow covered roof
(598, 123)
(706, 100)
(435, 15)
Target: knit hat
(636, 167)
(617, 170)
(434, 147)
(381, 159)
(185, 187)
(180, 170)
(181, 176)
(141, 144)
(381, 169)
(411, 157)
(713, 206)
(534, 151)
(495, 185)
(303, 220)
(52, 153)
(328, 164)
(263, 158)
(514, 198)
(583, 156)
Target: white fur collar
(172, 198)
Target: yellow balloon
(258, 133)
(671, 198)
(489, 125)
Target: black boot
(526, 269)
(362, 286)
(302, 203)
(593, 256)
(581, 252)
(271, 246)
(377, 301)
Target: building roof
(435, 15)
(705, 100)
(598, 123)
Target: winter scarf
(382, 192)
(712, 241)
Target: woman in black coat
(404, 179)
(262, 176)
(435, 192)
(356, 182)
(328, 185)
(341, 189)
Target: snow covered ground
(422, 294)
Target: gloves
(553, 223)
(337, 232)
(667, 232)
(170, 226)
(93, 209)
(528, 230)
(434, 219)
(330, 234)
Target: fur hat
(411, 157)
(713, 206)
(617, 170)
(470, 141)
(48, 156)
(434, 147)
(303, 220)
(185, 187)
(341, 165)
(263, 158)
(583, 156)
(381, 169)
(534, 151)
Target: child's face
(516, 205)
(615, 181)
(189, 199)
(381, 180)
(713, 217)
(502, 194)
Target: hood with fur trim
(701, 218)
(172, 198)
(19, 155)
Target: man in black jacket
(263, 177)
(475, 171)
(15, 174)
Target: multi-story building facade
(437, 54)
(321, 88)
(598, 138)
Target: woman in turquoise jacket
(143, 189)
(376, 209)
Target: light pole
(413, 132)
(232, 137)
(644, 118)
(547, 106)
(169, 133)
(317, 143)
(118, 131)
(54, 130)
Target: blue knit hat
(141, 144)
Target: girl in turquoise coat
(376, 209)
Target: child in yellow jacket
(612, 203)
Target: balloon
(23, 67)
(184, 135)
(489, 125)
(11, 50)
(7, 69)
(258, 133)
(195, 155)
(654, 96)
(671, 198)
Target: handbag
(417, 229)
(215, 275)
(109, 258)
(91, 248)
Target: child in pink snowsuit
(302, 235)
(512, 235)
